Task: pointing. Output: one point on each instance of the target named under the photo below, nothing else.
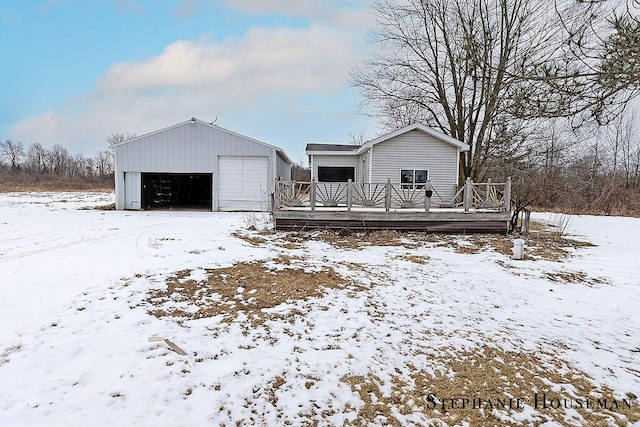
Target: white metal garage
(197, 165)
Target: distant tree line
(35, 163)
(594, 170)
(39, 162)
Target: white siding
(190, 148)
(283, 168)
(336, 161)
(417, 150)
(365, 166)
(133, 190)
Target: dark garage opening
(335, 174)
(176, 190)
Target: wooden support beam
(387, 195)
(276, 197)
(349, 194)
(312, 194)
(507, 195)
(487, 197)
(427, 196)
(468, 194)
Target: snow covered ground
(420, 327)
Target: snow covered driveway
(417, 328)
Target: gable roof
(420, 127)
(358, 149)
(211, 125)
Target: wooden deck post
(312, 194)
(387, 195)
(276, 195)
(487, 197)
(427, 196)
(468, 195)
(507, 195)
(349, 194)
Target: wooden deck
(432, 222)
(476, 208)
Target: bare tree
(625, 146)
(300, 172)
(357, 139)
(57, 159)
(117, 138)
(103, 163)
(472, 67)
(35, 161)
(13, 152)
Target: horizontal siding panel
(417, 150)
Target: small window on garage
(336, 174)
(413, 178)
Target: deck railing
(485, 196)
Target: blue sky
(75, 71)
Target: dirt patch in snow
(542, 243)
(574, 277)
(252, 240)
(490, 386)
(108, 207)
(248, 288)
(416, 259)
(347, 239)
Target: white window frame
(413, 184)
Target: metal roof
(331, 147)
(211, 125)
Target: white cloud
(267, 71)
(263, 61)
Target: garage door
(243, 183)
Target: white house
(410, 155)
(198, 165)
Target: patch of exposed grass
(252, 240)
(109, 207)
(574, 277)
(542, 243)
(416, 259)
(509, 388)
(9, 186)
(248, 287)
(347, 239)
(545, 243)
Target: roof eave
(331, 153)
(415, 126)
